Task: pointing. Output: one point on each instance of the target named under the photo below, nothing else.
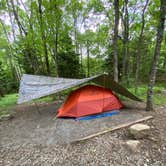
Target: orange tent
(87, 100)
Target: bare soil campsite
(36, 137)
(82, 83)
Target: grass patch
(10, 100)
(6, 102)
(44, 99)
(159, 97)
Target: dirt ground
(37, 138)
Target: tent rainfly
(34, 87)
(89, 100)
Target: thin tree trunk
(56, 51)
(139, 45)
(75, 35)
(81, 58)
(152, 78)
(128, 65)
(54, 26)
(32, 58)
(1, 93)
(20, 26)
(11, 20)
(115, 39)
(43, 36)
(164, 64)
(88, 65)
(55, 32)
(10, 57)
(125, 40)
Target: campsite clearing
(33, 138)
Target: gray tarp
(33, 87)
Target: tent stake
(114, 128)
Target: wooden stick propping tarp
(114, 128)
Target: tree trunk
(75, 35)
(115, 38)
(152, 78)
(43, 36)
(54, 26)
(139, 45)
(10, 55)
(125, 41)
(88, 65)
(81, 57)
(164, 64)
(11, 20)
(1, 93)
(32, 58)
(56, 51)
(20, 26)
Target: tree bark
(56, 51)
(55, 32)
(152, 78)
(115, 39)
(139, 45)
(125, 41)
(164, 64)
(88, 65)
(10, 55)
(11, 20)
(32, 58)
(43, 36)
(20, 26)
(75, 35)
(81, 57)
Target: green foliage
(159, 93)
(61, 33)
(68, 65)
(8, 100)
(96, 5)
(96, 66)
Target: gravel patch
(29, 139)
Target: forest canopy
(80, 38)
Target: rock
(164, 91)
(133, 145)
(6, 117)
(139, 130)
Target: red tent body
(87, 100)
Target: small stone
(164, 91)
(147, 160)
(133, 145)
(6, 117)
(139, 130)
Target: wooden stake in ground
(114, 128)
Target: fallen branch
(114, 128)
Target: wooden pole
(114, 128)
